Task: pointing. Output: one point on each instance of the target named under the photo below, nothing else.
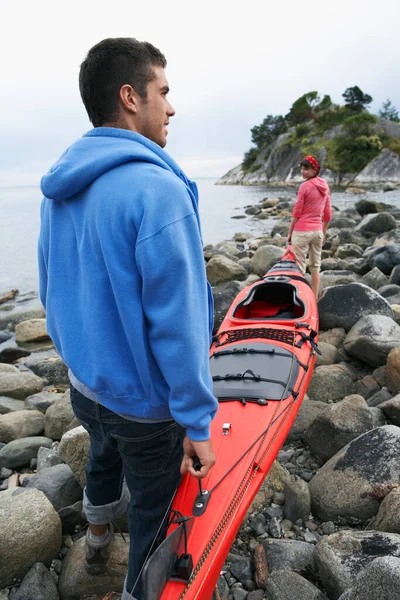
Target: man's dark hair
(109, 65)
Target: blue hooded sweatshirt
(122, 278)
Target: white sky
(230, 64)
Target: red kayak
(261, 360)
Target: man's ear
(129, 98)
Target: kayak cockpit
(271, 300)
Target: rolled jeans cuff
(125, 594)
(106, 513)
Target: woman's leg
(315, 260)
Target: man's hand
(205, 454)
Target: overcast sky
(230, 64)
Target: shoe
(97, 554)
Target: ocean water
(19, 218)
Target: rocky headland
(278, 162)
(325, 524)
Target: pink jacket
(313, 205)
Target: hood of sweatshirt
(320, 184)
(97, 152)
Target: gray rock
(372, 338)
(379, 581)
(31, 533)
(349, 250)
(41, 401)
(379, 397)
(375, 279)
(341, 557)
(76, 583)
(377, 223)
(74, 450)
(60, 417)
(20, 452)
(391, 408)
(38, 584)
(309, 410)
(384, 257)
(59, 484)
(395, 275)
(328, 356)
(47, 457)
(12, 318)
(344, 305)
(8, 405)
(336, 278)
(297, 500)
(284, 585)
(31, 330)
(348, 485)
(21, 424)
(388, 517)
(335, 428)
(53, 370)
(264, 258)
(330, 383)
(242, 569)
(223, 297)
(17, 384)
(334, 337)
(289, 555)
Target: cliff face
(278, 163)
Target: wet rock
(344, 305)
(372, 338)
(31, 533)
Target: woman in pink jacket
(310, 218)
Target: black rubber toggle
(183, 568)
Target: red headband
(313, 161)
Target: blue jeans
(148, 455)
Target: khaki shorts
(304, 242)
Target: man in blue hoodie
(128, 306)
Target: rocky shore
(326, 523)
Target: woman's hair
(310, 162)
(109, 65)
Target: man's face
(155, 111)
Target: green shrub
(392, 144)
(249, 159)
(302, 129)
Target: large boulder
(380, 580)
(372, 338)
(264, 258)
(76, 583)
(335, 428)
(38, 583)
(30, 533)
(342, 556)
(349, 484)
(20, 452)
(330, 383)
(377, 223)
(20, 424)
(344, 305)
(59, 484)
(388, 517)
(384, 257)
(221, 269)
